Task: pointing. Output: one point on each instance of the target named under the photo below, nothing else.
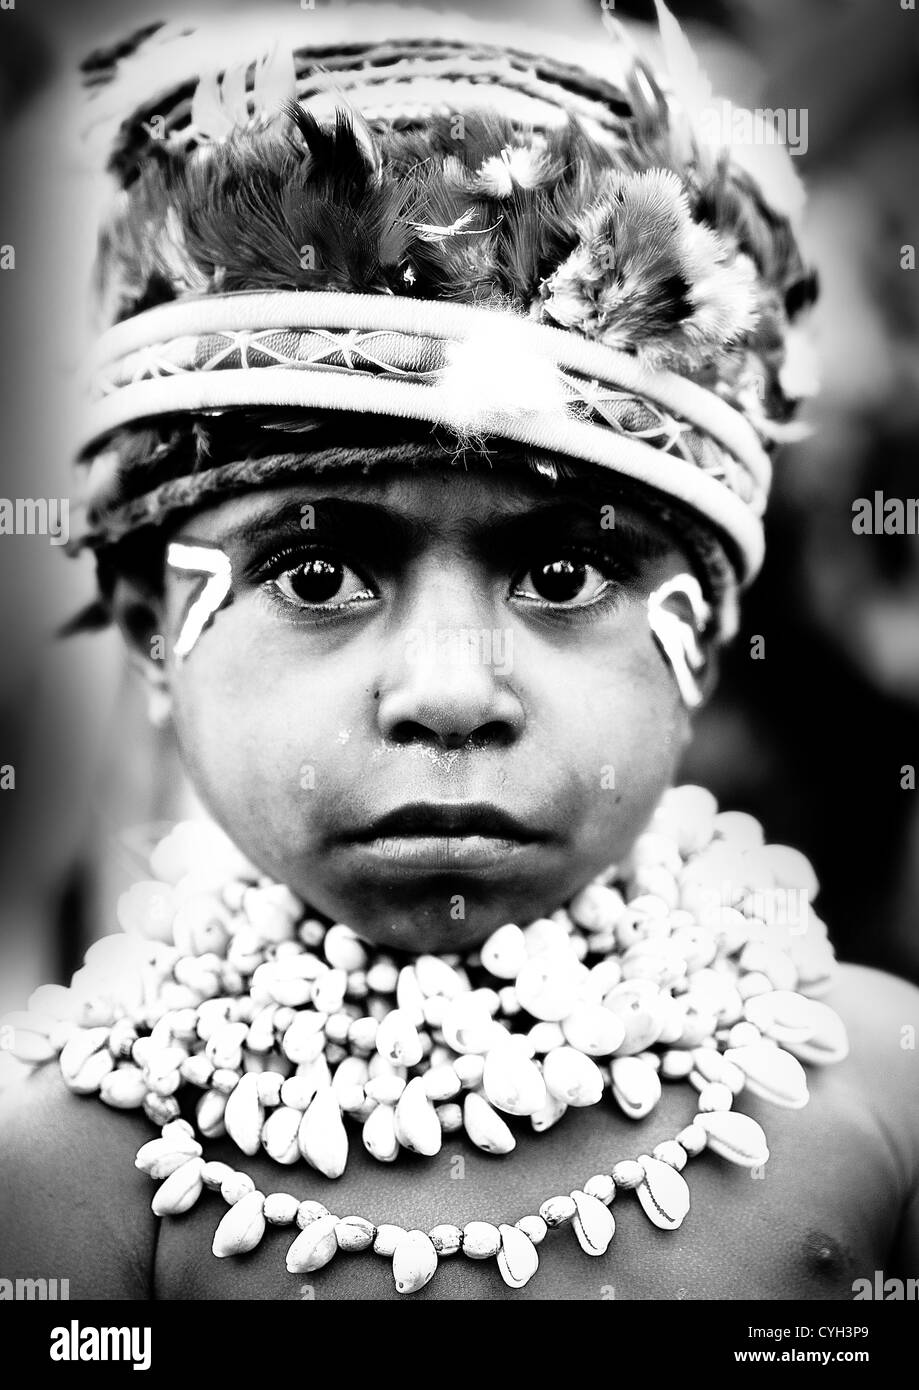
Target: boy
(429, 447)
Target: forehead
(437, 501)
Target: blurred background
(813, 739)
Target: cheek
(265, 734)
(621, 728)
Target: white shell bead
(235, 1187)
(548, 1115)
(440, 1084)
(485, 1126)
(322, 1136)
(354, 1233)
(342, 949)
(735, 1137)
(772, 1073)
(636, 1086)
(308, 1212)
(597, 908)
(398, 1040)
(715, 1096)
(592, 1223)
(314, 1247)
(242, 1227)
(555, 1211)
(160, 1157)
(244, 1115)
(628, 1174)
(512, 1082)
(379, 1134)
(467, 1026)
(505, 953)
(416, 1124)
(572, 1077)
(281, 1209)
(180, 1190)
(517, 1257)
(693, 1139)
(594, 1030)
(547, 986)
(446, 1239)
(414, 1262)
(435, 977)
(602, 1187)
(669, 1151)
(533, 1227)
(663, 1194)
(280, 1134)
(481, 1240)
(387, 1239)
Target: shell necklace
(700, 960)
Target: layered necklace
(699, 961)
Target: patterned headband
(628, 288)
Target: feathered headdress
(537, 244)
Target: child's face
(433, 703)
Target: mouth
(445, 837)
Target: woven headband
(581, 274)
(436, 362)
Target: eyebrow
(380, 526)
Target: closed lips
(423, 819)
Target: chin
(432, 927)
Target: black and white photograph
(459, 669)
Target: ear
(139, 614)
(707, 677)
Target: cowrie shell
(572, 1077)
(398, 1040)
(416, 1124)
(734, 1136)
(242, 1227)
(772, 1073)
(513, 1082)
(828, 1041)
(781, 1014)
(548, 1115)
(643, 1011)
(517, 1258)
(547, 986)
(592, 1223)
(244, 1115)
(414, 1262)
(664, 1194)
(594, 1030)
(158, 1158)
(314, 1246)
(435, 977)
(468, 1027)
(597, 908)
(485, 1126)
(636, 1086)
(505, 952)
(180, 1190)
(379, 1134)
(322, 1136)
(280, 1134)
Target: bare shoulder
(881, 1014)
(72, 1204)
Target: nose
(449, 678)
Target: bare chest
(819, 1215)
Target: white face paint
(214, 565)
(678, 639)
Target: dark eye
(570, 581)
(321, 582)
